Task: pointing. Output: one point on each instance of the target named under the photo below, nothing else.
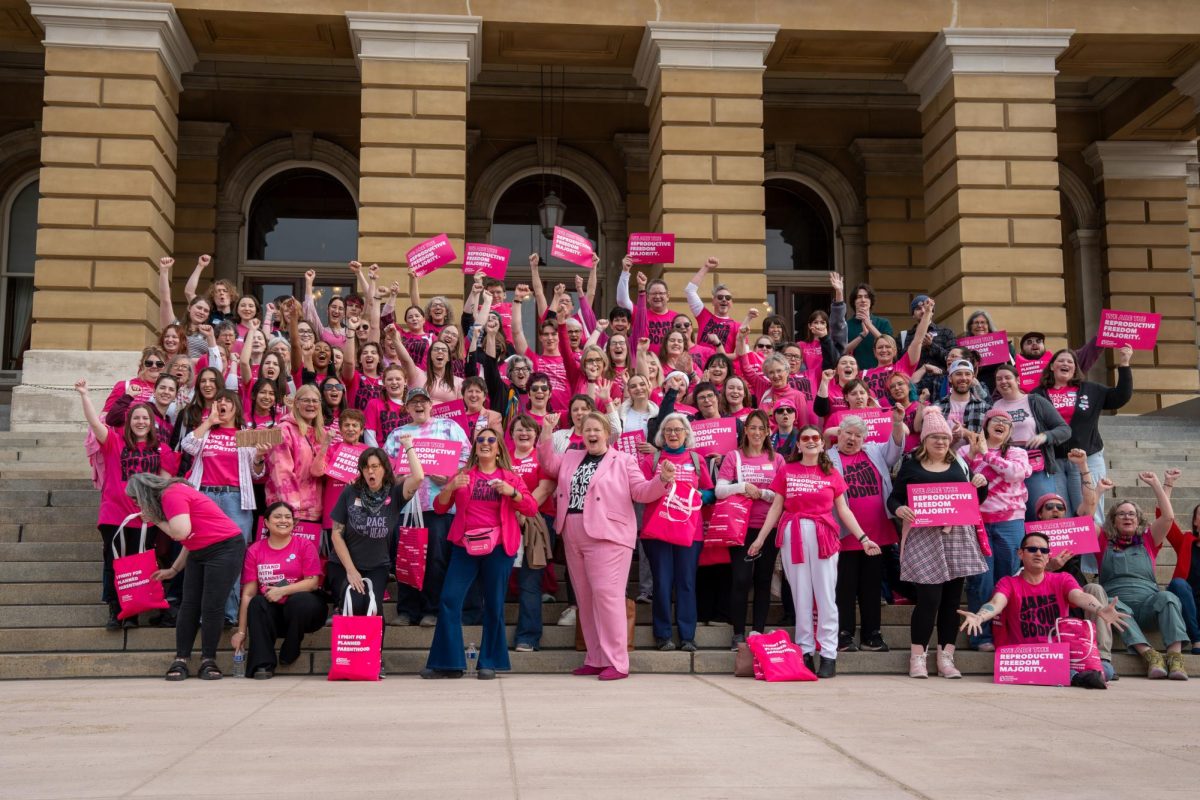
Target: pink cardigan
(510, 531)
(294, 474)
(616, 486)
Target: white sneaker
(567, 618)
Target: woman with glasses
(616, 349)
(333, 403)
(437, 377)
(1129, 546)
(885, 350)
(485, 533)
(673, 566)
(810, 500)
(770, 381)
(599, 527)
(1037, 428)
(750, 472)
(295, 475)
(1021, 602)
(935, 559)
(141, 387)
(451, 336)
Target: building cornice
(702, 46)
(417, 37)
(1139, 160)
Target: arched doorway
(18, 238)
(800, 252)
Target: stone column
(1193, 184)
(895, 222)
(107, 212)
(196, 201)
(704, 85)
(635, 148)
(1148, 254)
(992, 230)
(416, 75)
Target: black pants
(207, 581)
(713, 582)
(937, 602)
(749, 575)
(303, 612)
(891, 575)
(860, 577)
(338, 582)
(132, 536)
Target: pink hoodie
(1006, 482)
(293, 474)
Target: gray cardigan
(883, 456)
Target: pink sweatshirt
(290, 473)
(1006, 482)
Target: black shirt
(366, 534)
(581, 481)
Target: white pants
(816, 577)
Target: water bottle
(472, 656)
(239, 663)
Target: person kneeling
(1020, 598)
(280, 577)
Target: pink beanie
(933, 423)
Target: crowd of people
(580, 447)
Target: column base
(45, 401)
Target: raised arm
(89, 411)
(539, 293)
(692, 290)
(291, 319)
(349, 348)
(373, 304)
(166, 313)
(244, 371)
(837, 314)
(412, 373)
(416, 472)
(520, 295)
(918, 337)
(414, 289)
(193, 281)
(1160, 526)
(309, 307)
(623, 298)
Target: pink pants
(599, 572)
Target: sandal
(178, 670)
(209, 671)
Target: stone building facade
(1034, 159)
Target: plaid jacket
(972, 415)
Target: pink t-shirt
(268, 566)
(122, 461)
(220, 456)
(384, 415)
(144, 389)
(560, 394)
(758, 470)
(725, 328)
(1024, 425)
(685, 475)
(484, 509)
(877, 378)
(808, 491)
(531, 473)
(658, 326)
(1032, 609)
(864, 496)
(1064, 401)
(362, 388)
(209, 523)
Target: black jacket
(1091, 399)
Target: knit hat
(687, 379)
(961, 363)
(784, 402)
(997, 412)
(1046, 498)
(934, 423)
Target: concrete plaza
(535, 736)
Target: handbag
(136, 592)
(743, 662)
(1080, 636)
(729, 520)
(670, 521)
(356, 643)
(412, 545)
(778, 659)
(481, 541)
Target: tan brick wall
(196, 200)
(706, 176)
(1194, 239)
(1149, 254)
(108, 198)
(413, 163)
(991, 203)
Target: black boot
(828, 668)
(113, 623)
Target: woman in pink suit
(597, 487)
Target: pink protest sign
(684, 408)
(1077, 534)
(879, 423)
(571, 247)
(436, 456)
(429, 255)
(1137, 329)
(715, 436)
(302, 529)
(1033, 664)
(341, 462)
(992, 347)
(455, 408)
(652, 248)
(488, 259)
(1030, 371)
(943, 504)
(628, 442)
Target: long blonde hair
(502, 459)
(318, 423)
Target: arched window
(18, 238)
(516, 224)
(302, 215)
(799, 228)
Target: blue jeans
(1067, 482)
(231, 504)
(1037, 484)
(673, 566)
(1187, 600)
(1005, 539)
(529, 595)
(493, 570)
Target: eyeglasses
(811, 437)
(723, 297)
(1035, 550)
(674, 430)
(485, 439)
(1126, 514)
(1054, 507)
(153, 363)
(519, 368)
(794, 356)
(593, 361)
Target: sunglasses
(785, 411)
(764, 346)
(335, 387)
(682, 325)
(485, 439)
(539, 388)
(1035, 550)
(723, 297)
(811, 437)
(364, 328)
(1054, 507)
(151, 363)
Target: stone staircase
(51, 620)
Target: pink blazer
(608, 508)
